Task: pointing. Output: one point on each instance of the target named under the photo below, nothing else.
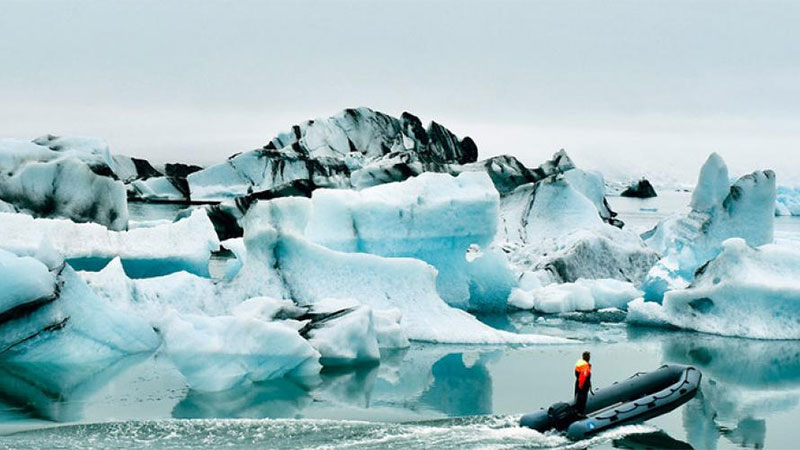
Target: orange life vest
(583, 370)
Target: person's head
(586, 356)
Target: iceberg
(719, 211)
(220, 352)
(744, 291)
(582, 295)
(49, 315)
(344, 333)
(145, 252)
(432, 217)
(281, 260)
(357, 147)
(52, 181)
(554, 228)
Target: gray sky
(626, 87)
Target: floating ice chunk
(183, 245)
(521, 299)
(550, 226)
(744, 291)
(582, 295)
(645, 313)
(345, 335)
(389, 329)
(372, 147)
(218, 353)
(64, 325)
(639, 189)
(745, 209)
(610, 293)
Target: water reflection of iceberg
(281, 398)
(459, 389)
(56, 392)
(743, 362)
(745, 381)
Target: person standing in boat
(583, 382)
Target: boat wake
(496, 432)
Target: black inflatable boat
(642, 396)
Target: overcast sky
(626, 87)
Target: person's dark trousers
(581, 395)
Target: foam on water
(496, 432)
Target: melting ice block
(744, 291)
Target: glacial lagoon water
(428, 396)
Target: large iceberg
(49, 315)
(719, 211)
(433, 217)
(366, 146)
(744, 291)
(281, 260)
(183, 245)
(49, 178)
